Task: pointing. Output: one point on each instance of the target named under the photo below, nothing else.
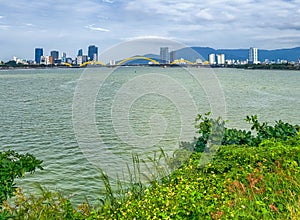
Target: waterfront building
(199, 61)
(54, 54)
(81, 59)
(80, 53)
(38, 54)
(221, 59)
(172, 56)
(253, 55)
(19, 61)
(85, 58)
(69, 60)
(164, 55)
(93, 53)
(64, 57)
(112, 62)
(46, 60)
(212, 59)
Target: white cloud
(205, 14)
(145, 37)
(93, 28)
(4, 27)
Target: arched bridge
(124, 61)
(136, 58)
(182, 61)
(92, 63)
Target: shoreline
(242, 66)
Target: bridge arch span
(137, 58)
(92, 63)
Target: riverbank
(286, 66)
(256, 179)
(241, 182)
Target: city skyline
(192, 55)
(70, 25)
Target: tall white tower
(221, 59)
(164, 55)
(212, 59)
(253, 55)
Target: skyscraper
(54, 54)
(221, 59)
(172, 56)
(80, 53)
(253, 55)
(212, 59)
(64, 57)
(93, 53)
(38, 54)
(164, 55)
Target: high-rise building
(54, 54)
(253, 55)
(172, 56)
(80, 53)
(81, 59)
(220, 59)
(93, 53)
(64, 57)
(46, 60)
(164, 55)
(38, 54)
(212, 59)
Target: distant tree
(11, 63)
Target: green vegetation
(251, 176)
(12, 166)
(240, 183)
(273, 66)
(215, 132)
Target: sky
(69, 25)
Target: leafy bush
(213, 131)
(12, 166)
(43, 206)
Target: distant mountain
(152, 56)
(292, 54)
(192, 53)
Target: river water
(79, 120)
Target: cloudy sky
(68, 25)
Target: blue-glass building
(38, 54)
(93, 53)
(80, 53)
(54, 54)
